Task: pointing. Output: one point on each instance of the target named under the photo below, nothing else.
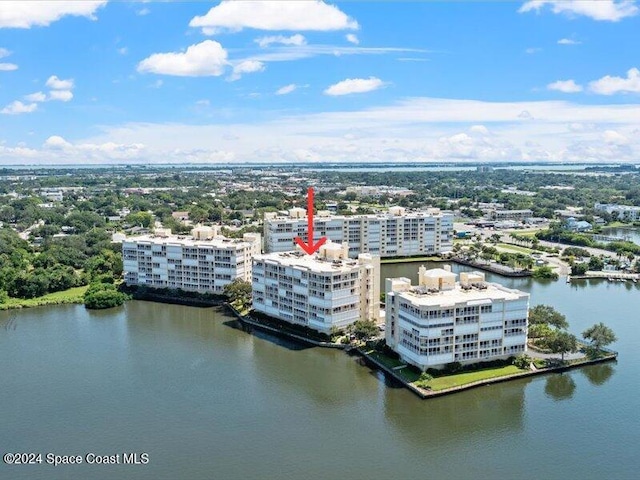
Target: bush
(4, 296)
(545, 272)
(103, 295)
(522, 361)
(423, 380)
(453, 367)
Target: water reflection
(457, 418)
(598, 374)
(560, 386)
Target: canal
(208, 401)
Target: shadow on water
(269, 337)
(458, 418)
(598, 374)
(560, 386)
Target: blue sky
(136, 82)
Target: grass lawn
(619, 224)
(530, 234)
(515, 248)
(406, 373)
(73, 295)
(455, 380)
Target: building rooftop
(487, 293)
(188, 241)
(298, 213)
(310, 262)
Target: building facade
(397, 233)
(442, 321)
(205, 262)
(625, 213)
(320, 291)
(519, 215)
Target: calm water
(632, 234)
(208, 401)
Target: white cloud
(273, 15)
(246, 66)
(286, 89)
(60, 95)
(56, 142)
(203, 59)
(416, 129)
(296, 40)
(479, 129)
(609, 85)
(6, 67)
(352, 38)
(35, 97)
(11, 153)
(307, 51)
(143, 11)
(532, 50)
(602, 10)
(57, 147)
(354, 85)
(565, 86)
(17, 107)
(26, 14)
(614, 137)
(123, 50)
(58, 84)
(568, 41)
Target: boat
(635, 280)
(610, 279)
(568, 278)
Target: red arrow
(309, 247)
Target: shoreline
(422, 393)
(426, 394)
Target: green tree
(103, 295)
(238, 292)
(423, 380)
(596, 263)
(140, 218)
(600, 335)
(562, 342)
(546, 314)
(364, 329)
(4, 296)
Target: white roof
(457, 295)
(216, 242)
(308, 262)
(438, 273)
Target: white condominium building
(397, 233)
(204, 262)
(621, 212)
(319, 291)
(441, 321)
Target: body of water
(632, 234)
(206, 400)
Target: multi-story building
(626, 213)
(397, 233)
(320, 291)
(204, 262)
(510, 214)
(442, 321)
